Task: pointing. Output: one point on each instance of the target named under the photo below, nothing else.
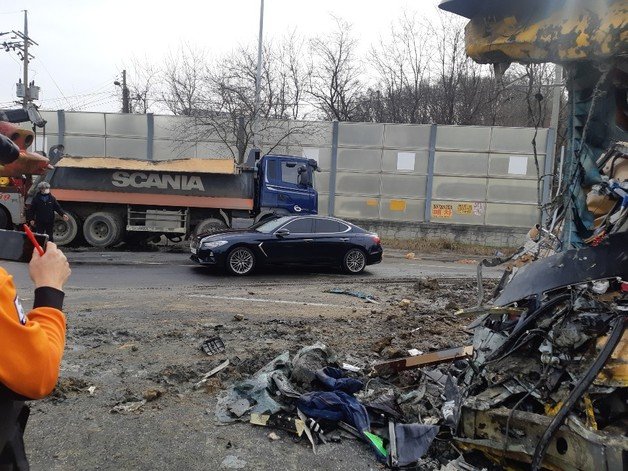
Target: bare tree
(184, 78)
(335, 85)
(402, 72)
(221, 96)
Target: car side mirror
(282, 233)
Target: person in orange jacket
(31, 348)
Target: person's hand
(65, 217)
(50, 269)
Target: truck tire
(66, 232)
(103, 229)
(5, 220)
(209, 226)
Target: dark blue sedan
(290, 240)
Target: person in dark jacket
(43, 209)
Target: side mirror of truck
(282, 233)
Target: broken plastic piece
(213, 346)
(206, 376)
(377, 442)
(369, 298)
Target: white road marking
(276, 301)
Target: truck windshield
(270, 226)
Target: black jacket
(14, 414)
(43, 208)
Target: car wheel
(103, 229)
(354, 261)
(65, 232)
(240, 261)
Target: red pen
(31, 237)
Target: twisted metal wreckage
(544, 383)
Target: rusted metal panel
(530, 31)
(572, 448)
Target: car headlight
(213, 244)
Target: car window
(271, 225)
(290, 173)
(300, 226)
(282, 172)
(329, 226)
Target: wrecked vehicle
(545, 386)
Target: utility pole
(21, 43)
(26, 90)
(258, 78)
(125, 94)
(126, 108)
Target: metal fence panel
(405, 210)
(516, 139)
(503, 190)
(367, 160)
(461, 163)
(396, 160)
(467, 138)
(514, 165)
(406, 136)
(360, 135)
(133, 125)
(459, 188)
(126, 148)
(404, 186)
(357, 184)
(513, 215)
(457, 212)
(357, 207)
(85, 123)
(89, 146)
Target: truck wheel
(65, 232)
(354, 261)
(241, 261)
(209, 226)
(103, 229)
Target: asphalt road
(158, 269)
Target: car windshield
(270, 226)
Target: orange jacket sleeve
(31, 346)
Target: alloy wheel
(355, 261)
(241, 261)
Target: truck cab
(285, 185)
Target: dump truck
(110, 199)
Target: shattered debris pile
(540, 384)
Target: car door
(282, 189)
(293, 247)
(331, 240)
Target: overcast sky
(84, 44)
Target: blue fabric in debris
(333, 380)
(335, 406)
